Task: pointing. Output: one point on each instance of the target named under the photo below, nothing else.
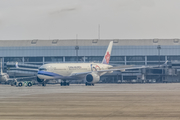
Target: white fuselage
(60, 70)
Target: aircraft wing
(99, 72)
(123, 68)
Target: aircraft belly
(49, 75)
(45, 77)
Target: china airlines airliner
(89, 72)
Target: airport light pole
(77, 48)
(159, 48)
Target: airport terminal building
(33, 53)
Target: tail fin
(17, 65)
(108, 54)
(1, 67)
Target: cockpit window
(42, 69)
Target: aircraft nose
(39, 73)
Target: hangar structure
(33, 53)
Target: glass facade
(155, 63)
(155, 58)
(173, 58)
(135, 58)
(121, 54)
(94, 59)
(121, 60)
(74, 59)
(116, 63)
(13, 59)
(117, 58)
(33, 59)
(135, 63)
(53, 59)
(33, 63)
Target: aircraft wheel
(67, 83)
(20, 84)
(43, 84)
(63, 84)
(29, 84)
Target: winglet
(166, 62)
(108, 54)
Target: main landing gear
(89, 84)
(43, 84)
(64, 83)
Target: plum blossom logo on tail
(107, 57)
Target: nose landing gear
(44, 82)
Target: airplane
(89, 72)
(3, 76)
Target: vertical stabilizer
(107, 54)
(1, 67)
(17, 65)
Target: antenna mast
(77, 47)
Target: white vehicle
(89, 72)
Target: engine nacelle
(92, 78)
(40, 80)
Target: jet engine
(92, 78)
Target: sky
(88, 19)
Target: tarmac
(99, 102)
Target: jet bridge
(24, 70)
